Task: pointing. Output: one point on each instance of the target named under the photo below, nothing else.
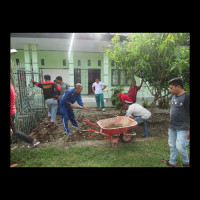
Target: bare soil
(157, 126)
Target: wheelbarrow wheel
(126, 138)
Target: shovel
(83, 108)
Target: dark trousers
(67, 114)
(19, 134)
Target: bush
(146, 104)
(163, 103)
(114, 99)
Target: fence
(30, 104)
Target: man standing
(66, 104)
(179, 123)
(138, 113)
(132, 93)
(51, 93)
(97, 88)
(63, 86)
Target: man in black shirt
(51, 93)
(179, 123)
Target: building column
(35, 62)
(71, 70)
(105, 75)
(27, 62)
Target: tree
(155, 57)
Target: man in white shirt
(97, 88)
(138, 113)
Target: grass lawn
(137, 154)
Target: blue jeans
(178, 142)
(139, 120)
(99, 98)
(52, 108)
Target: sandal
(167, 162)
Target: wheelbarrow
(115, 128)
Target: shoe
(34, 144)
(167, 162)
(186, 164)
(103, 109)
(69, 134)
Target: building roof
(84, 42)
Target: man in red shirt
(132, 93)
(122, 97)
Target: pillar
(35, 62)
(71, 70)
(27, 62)
(105, 61)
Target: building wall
(54, 60)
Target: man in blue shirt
(66, 104)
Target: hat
(127, 102)
(13, 51)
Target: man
(51, 93)
(179, 123)
(13, 130)
(66, 104)
(63, 86)
(122, 97)
(132, 93)
(97, 88)
(138, 113)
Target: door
(92, 75)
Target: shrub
(114, 99)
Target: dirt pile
(157, 126)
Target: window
(119, 78)
(115, 77)
(42, 61)
(17, 61)
(79, 62)
(99, 62)
(64, 62)
(89, 62)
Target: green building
(77, 57)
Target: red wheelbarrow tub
(126, 123)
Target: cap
(127, 102)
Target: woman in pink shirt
(13, 130)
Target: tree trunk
(154, 103)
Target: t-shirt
(63, 87)
(98, 87)
(137, 110)
(132, 93)
(179, 112)
(12, 100)
(124, 97)
(50, 89)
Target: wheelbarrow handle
(90, 123)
